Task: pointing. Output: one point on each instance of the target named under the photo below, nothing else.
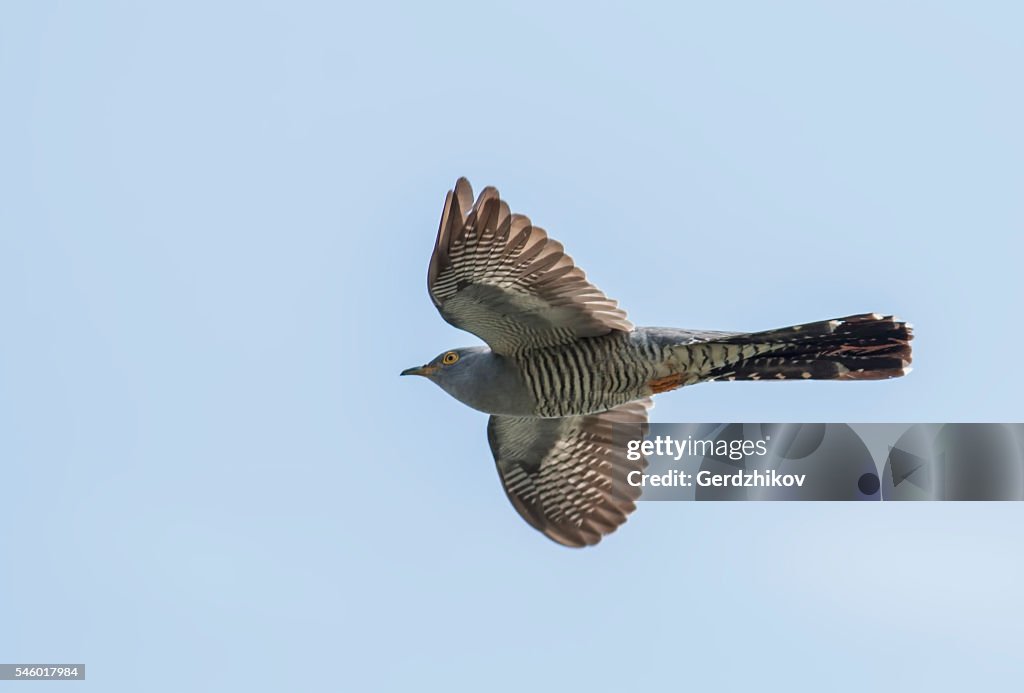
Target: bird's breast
(589, 375)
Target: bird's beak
(421, 370)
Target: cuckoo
(563, 365)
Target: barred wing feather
(495, 274)
(567, 477)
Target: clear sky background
(215, 223)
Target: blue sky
(214, 236)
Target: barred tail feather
(857, 347)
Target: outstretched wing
(496, 275)
(567, 477)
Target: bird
(564, 366)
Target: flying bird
(563, 365)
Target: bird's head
(450, 366)
(478, 377)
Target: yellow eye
(449, 358)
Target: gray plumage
(564, 364)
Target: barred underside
(589, 375)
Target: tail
(858, 347)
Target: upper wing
(496, 275)
(567, 477)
